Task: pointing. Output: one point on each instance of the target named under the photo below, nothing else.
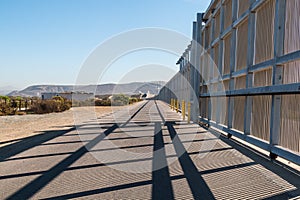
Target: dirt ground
(17, 127)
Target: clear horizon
(46, 42)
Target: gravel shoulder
(13, 128)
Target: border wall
(255, 92)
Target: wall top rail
(293, 88)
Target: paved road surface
(146, 152)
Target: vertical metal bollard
(177, 106)
(189, 112)
(174, 104)
(183, 110)
(171, 103)
(173, 100)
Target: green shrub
(133, 100)
(5, 99)
(100, 102)
(88, 102)
(119, 100)
(115, 100)
(6, 109)
(48, 106)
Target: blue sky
(46, 41)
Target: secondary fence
(246, 76)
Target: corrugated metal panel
(243, 6)
(200, 106)
(217, 25)
(264, 48)
(206, 66)
(203, 38)
(242, 43)
(262, 78)
(226, 85)
(216, 59)
(204, 107)
(260, 122)
(228, 13)
(214, 108)
(201, 65)
(240, 82)
(290, 122)
(238, 113)
(207, 37)
(291, 72)
(224, 111)
(292, 26)
(227, 46)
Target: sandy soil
(16, 127)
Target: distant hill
(126, 88)
(6, 89)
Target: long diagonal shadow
(114, 148)
(161, 186)
(197, 184)
(30, 189)
(30, 142)
(131, 185)
(126, 186)
(290, 175)
(100, 190)
(199, 187)
(34, 186)
(117, 163)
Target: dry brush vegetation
(24, 105)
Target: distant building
(78, 96)
(146, 95)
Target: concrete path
(145, 152)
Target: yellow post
(177, 106)
(189, 112)
(173, 102)
(183, 110)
